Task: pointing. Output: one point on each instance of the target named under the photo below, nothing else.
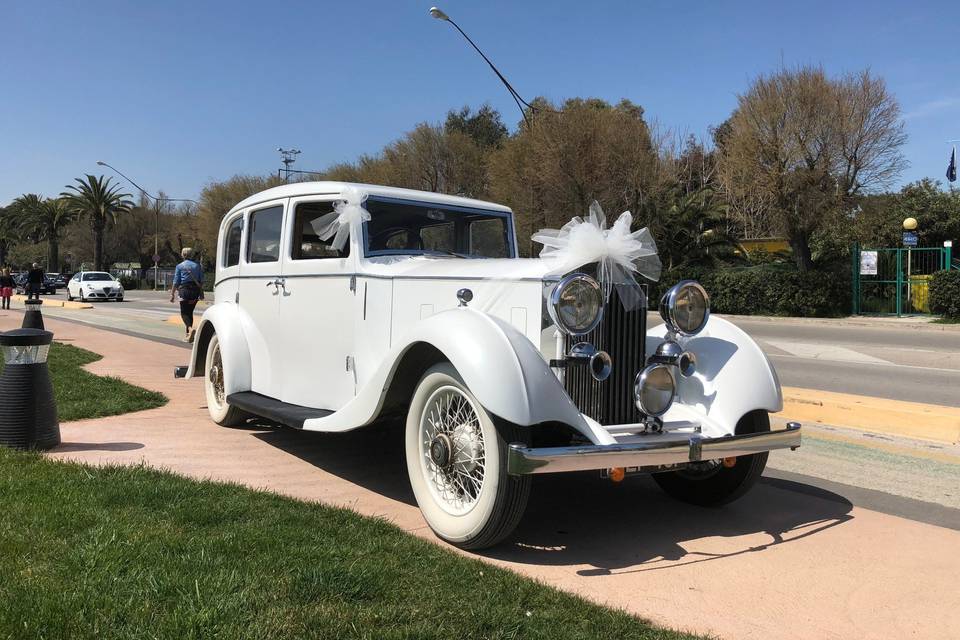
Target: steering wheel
(379, 241)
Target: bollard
(32, 318)
(28, 419)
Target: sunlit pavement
(843, 555)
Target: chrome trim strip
(369, 276)
(522, 460)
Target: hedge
(770, 290)
(945, 293)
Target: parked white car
(500, 367)
(94, 285)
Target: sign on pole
(909, 238)
(868, 263)
(156, 258)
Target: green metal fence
(895, 281)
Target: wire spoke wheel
(215, 375)
(452, 449)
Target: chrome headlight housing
(685, 308)
(576, 304)
(655, 389)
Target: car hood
(445, 268)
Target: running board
(292, 415)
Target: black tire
(69, 297)
(723, 484)
(502, 499)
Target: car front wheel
(713, 483)
(457, 462)
(213, 385)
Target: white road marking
(824, 352)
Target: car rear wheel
(457, 462)
(220, 411)
(712, 483)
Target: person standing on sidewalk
(6, 288)
(34, 282)
(188, 284)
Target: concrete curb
(876, 415)
(50, 302)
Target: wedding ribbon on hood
(618, 252)
(345, 212)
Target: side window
(231, 254)
(263, 236)
(308, 223)
(489, 238)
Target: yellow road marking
(875, 415)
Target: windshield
(402, 227)
(97, 276)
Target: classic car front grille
(622, 334)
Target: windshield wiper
(450, 252)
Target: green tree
(9, 232)
(100, 203)
(484, 126)
(45, 220)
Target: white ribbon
(619, 253)
(337, 224)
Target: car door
(317, 307)
(259, 296)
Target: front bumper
(522, 460)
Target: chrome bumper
(522, 460)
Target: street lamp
(157, 201)
(437, 13)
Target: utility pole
(288, 157)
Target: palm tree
(44, 220)
(9, 231)
(100, 203)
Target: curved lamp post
(29, 416)
(158, 201)
(438, 13)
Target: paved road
(895, 361)
(865, 551)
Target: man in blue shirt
(188, 283)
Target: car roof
(297, 189)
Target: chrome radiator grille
(622, 335)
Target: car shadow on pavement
(371, 457)
(581, 519)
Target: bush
(128, 282)
(945, 294)
(774, 290)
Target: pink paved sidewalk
(777, 564)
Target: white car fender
(499, 365)
(224, 319)
(733, 377)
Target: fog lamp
(29, 416)
(654, 389)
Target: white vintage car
(500, 368)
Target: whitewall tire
(213, 386)
(457, 462)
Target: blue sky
(177, 94)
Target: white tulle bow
(618, 252)
(337, 224)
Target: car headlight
(576, 304)
(655, 389)
(685, 308)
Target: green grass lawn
(80, 394)
(131, 552)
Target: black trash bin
(28, 418)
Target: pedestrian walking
(6, 288)
(34, 282)
(188, 285)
